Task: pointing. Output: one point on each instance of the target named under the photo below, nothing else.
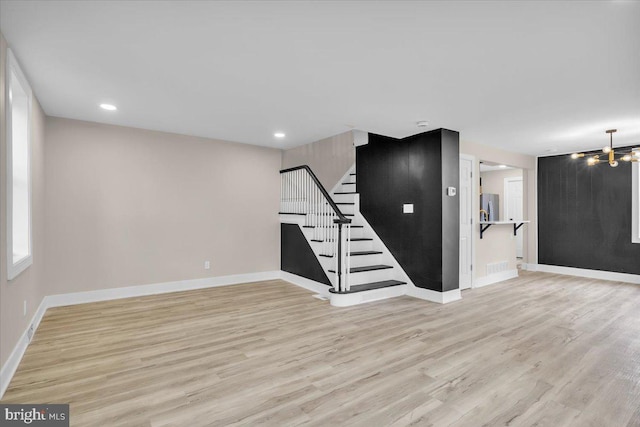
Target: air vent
(497, 267)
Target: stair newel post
(338, 256)
(347, 255)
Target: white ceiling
(523, 76)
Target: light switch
(407, 208)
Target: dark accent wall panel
(297, 257)
(417, 169)
(584, 215)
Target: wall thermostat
(451, 191)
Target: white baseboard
(591, 274)
(305, 283)
(494, 278)
(434, 296)
(157, 288)
(11, 365)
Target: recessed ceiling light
(108, 107)
(279, 135)
(502, 166)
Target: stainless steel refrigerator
(490, 207)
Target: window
(19, 254)
(635, 204)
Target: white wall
(329, 158)
(130, 207)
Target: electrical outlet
(207, 265)
(24, 308)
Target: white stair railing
(301, 193)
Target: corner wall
(29, 285)
(414, 170)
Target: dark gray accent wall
(416, 169)
(297, 257)
(584, 215)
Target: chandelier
(611, 156)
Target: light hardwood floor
(542, 350)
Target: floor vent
(497, 267)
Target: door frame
(506, 203)
(473, 206)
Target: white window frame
(635, 203)
(13, 69)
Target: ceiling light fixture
(502, 166)
(279, 135)
(422, 124)
(612, 156)
(108, 107)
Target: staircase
(356, 262)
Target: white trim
(474, 196)
(13, 67)
(434, 296)
(346, 300)
(532, 214)
(591, 274)
(494, 278)
(635, 203)
(11, 365)
(305, 283)
(507, 196)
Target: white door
(466, 221)
(513, 207)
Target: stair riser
(363, 260)
(356, 261)
(347, 188)
(350, 178)
(310, 233)
(370, 276)
(364, 245)
(347, 209)
(357, 233)
(347, 198)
